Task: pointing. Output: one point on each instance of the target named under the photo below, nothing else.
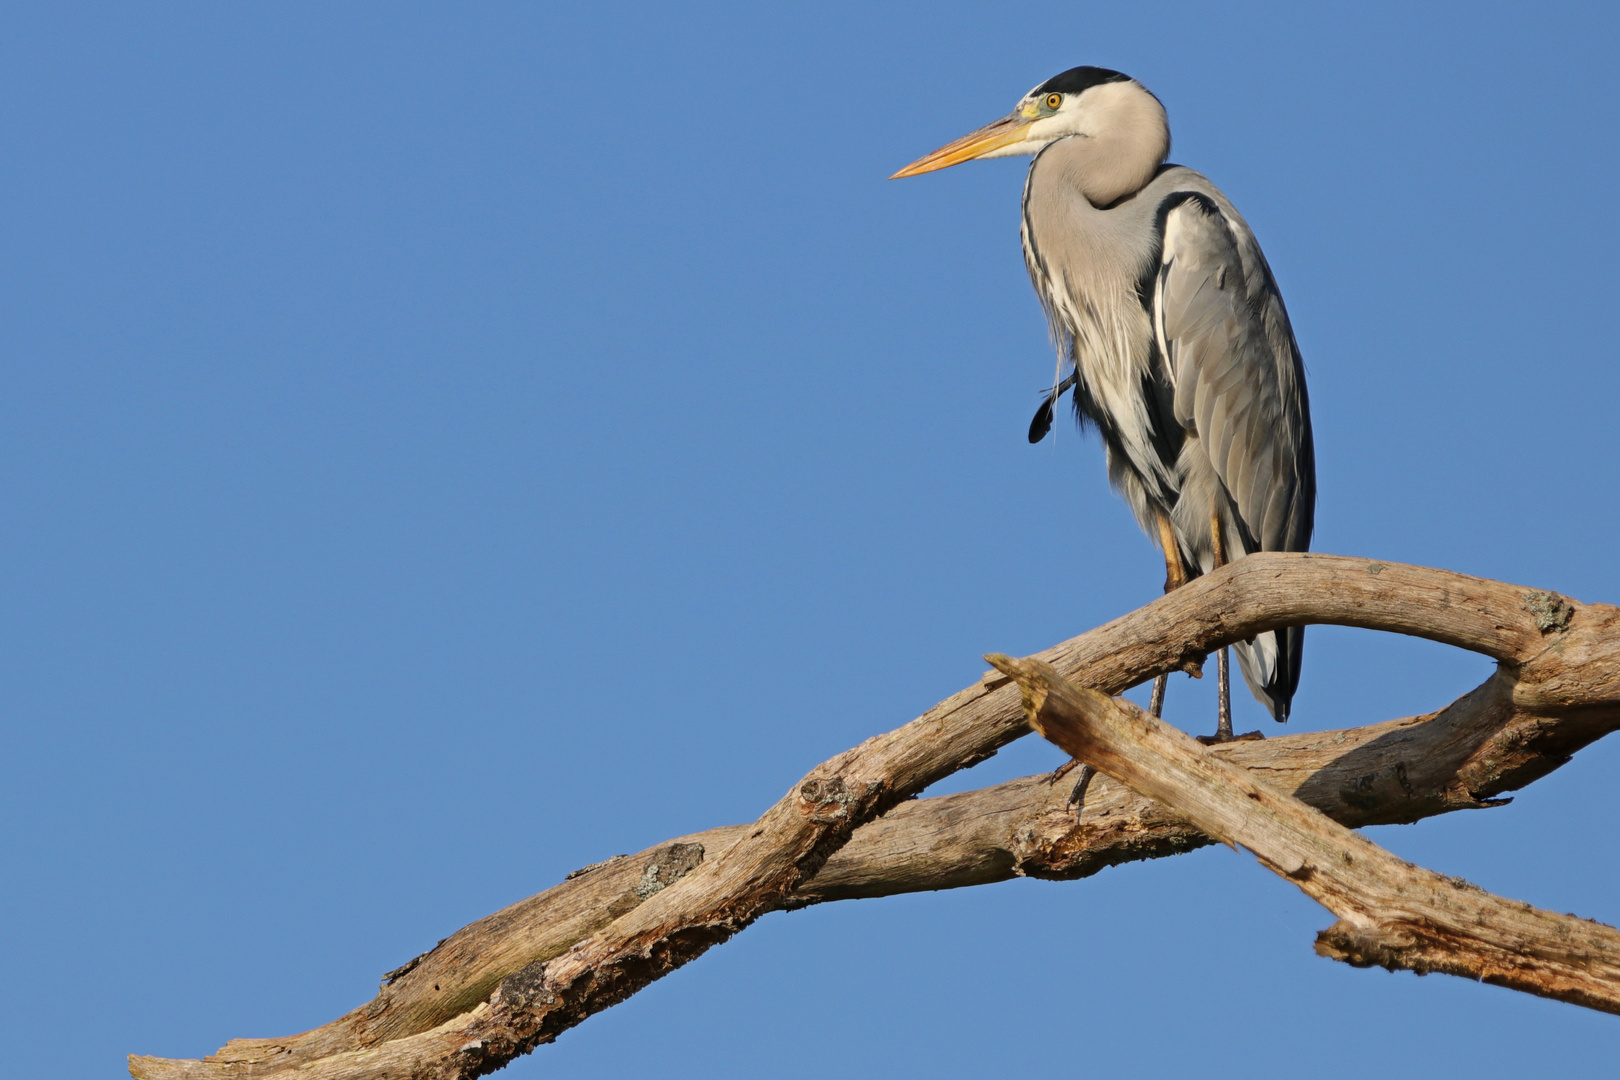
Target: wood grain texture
(517, 978)
(1391, 913)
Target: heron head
(1087, 101)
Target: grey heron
(1173, 331)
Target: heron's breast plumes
(1085, 264)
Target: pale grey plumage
(1160, 298)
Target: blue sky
(443, 446)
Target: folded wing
(1239, 387)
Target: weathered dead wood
(1388, 773)
(1460, 757)
(1557, 656)
(1391, 913)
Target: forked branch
(1391, 913)
(519, 978)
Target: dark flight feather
(1042, 423)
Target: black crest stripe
(1079, 79)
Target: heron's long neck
(1127, 139)
(1086, 263)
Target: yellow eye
(1053, 100)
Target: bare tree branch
(505, 984)
(1391, 913)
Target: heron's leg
(1223, 710)
(1175, 576)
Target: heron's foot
(1063, 770)
(1226, 737)
(1077, 797)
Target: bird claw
(1217, 739)
(1077, 796)
(1063, 770)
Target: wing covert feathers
(1239, 384)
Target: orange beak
(1004, 132)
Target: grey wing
(1239, 386)
(1238, 380)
